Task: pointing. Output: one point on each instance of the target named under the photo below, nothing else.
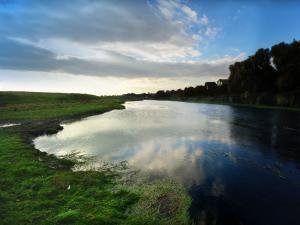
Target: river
(239, 165)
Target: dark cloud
(14, 55)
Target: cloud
(106, 38)
(204, 19)
(89, 21)
(155, 52)
(174, 10)
(163, 26)
(19, 56)
(86, 21)
(211, 31)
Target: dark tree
(286, 59)
(255, 74)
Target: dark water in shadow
(240, 165)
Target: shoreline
(28, 130)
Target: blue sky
(249, 25)
(114, 47)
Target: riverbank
(266, 100)
(213, 100)
(37, 188)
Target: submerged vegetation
(37, 188)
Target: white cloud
(191, 14)
(155, 52)
(175, 10)
(204, 19)
(211, 31)
(227, 59)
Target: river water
(239, 165)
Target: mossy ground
(36, 188)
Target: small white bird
(69, 187)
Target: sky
(108, 47)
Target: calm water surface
(239, 165)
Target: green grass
(7, 97)
(51, 111)
(32, 192)
(19, 106)
(34, 186)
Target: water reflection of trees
(267, 131)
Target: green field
(20, 106)
(36, 188)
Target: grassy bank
(36, 188)
(22, 106)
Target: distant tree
(200, 90)
(189, 92)
(179, 93)
(160, 94)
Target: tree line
(274, 70)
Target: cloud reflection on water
(170, 158)
(165, 138)
(222, 154)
